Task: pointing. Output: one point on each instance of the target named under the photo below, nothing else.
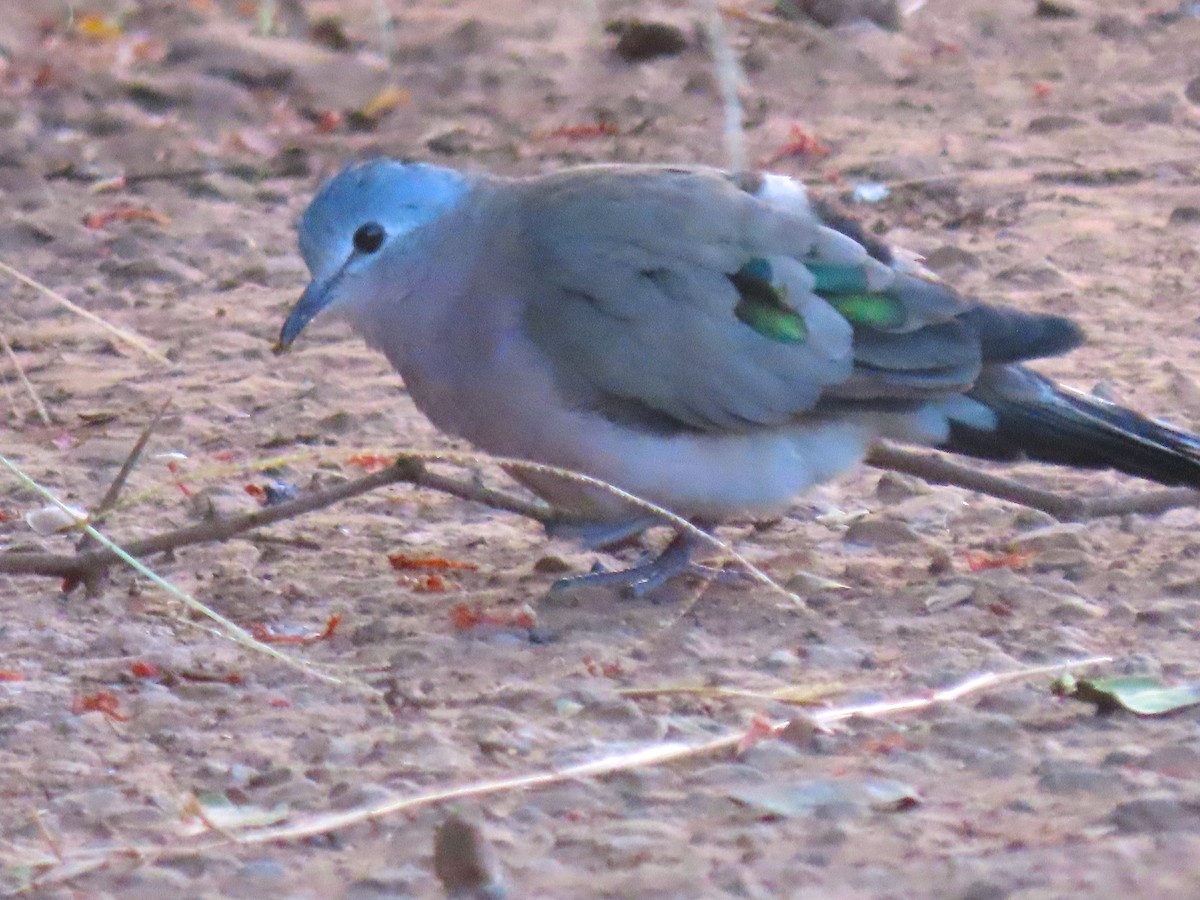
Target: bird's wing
(692, 298)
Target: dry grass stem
(230, 629)
(25, 382)
(57, 871)
(122, 334)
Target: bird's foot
(644, 578)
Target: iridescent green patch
(837, 279)
(876, 310)
(762, 304)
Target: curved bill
(315, 298)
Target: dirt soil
(1047, 161)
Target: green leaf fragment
(762, 304)
(1141, 695)
(876, 310)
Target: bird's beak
(315, 298)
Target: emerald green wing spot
(837, 279)
(875, 310)
(762, 307)
(758, 269)
(781, 325)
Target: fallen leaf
(384, 102)
(53, 519)
(813, 795)
(97, 28)
(1141, 695)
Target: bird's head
(359, 217)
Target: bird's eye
(369, 237)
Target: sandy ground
(1048, 162)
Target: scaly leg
(603, 536)
(639, 580)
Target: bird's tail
(1040, 420)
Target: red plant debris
(1041, 90)
(11, 675)
(799, 143)
(329, 121)
(433, 583)
(169, 677)
(265, 634)
(979, 561)
(464, 617)
(124, 213)
(370, 462)
(886, 745)
(599, 669)
(1001, 609)
(402, 561)
(579, 132)
(173, 468)
(205, 678)
(143, 669)
(102, 701)
(760, 729)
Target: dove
(713, 342)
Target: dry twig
(56, 872)
(405, 470)
(1066, 507)
(410, 469)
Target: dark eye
(369, 237)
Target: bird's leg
(646, 576)
(602, 536)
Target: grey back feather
(631, 300)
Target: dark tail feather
(1039, 420)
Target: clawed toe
(644, 578)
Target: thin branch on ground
(405, 470)
(55, 872)
(410, 469)
(229, 628)
(1065, 507)
(109, 500)
(93, 580)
